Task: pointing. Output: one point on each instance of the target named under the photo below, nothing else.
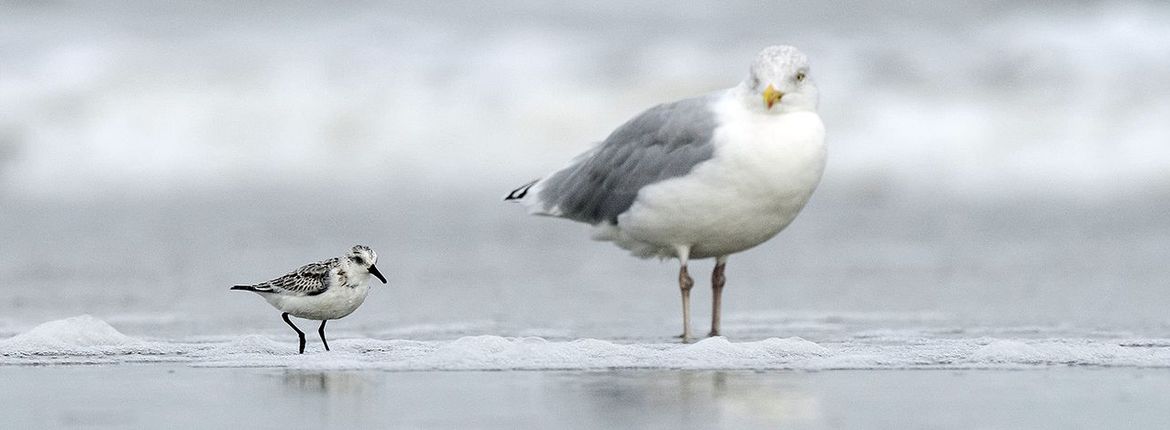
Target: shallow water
(137, 396)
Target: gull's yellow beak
(771, 96)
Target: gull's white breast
(764, 170)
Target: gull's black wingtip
(519, 193)
(243, 287)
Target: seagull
(324, 291)
(704, 177)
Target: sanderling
(323, 291)
(699, 178)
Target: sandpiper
(323, 291)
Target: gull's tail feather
(518, 194)
(529, 195)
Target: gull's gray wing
(310, 280)
(663, 142)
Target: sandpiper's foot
(300, 333)
(321, 331)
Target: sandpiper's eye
(800, 77)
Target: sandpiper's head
(363, 258)
(780, 82)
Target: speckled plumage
(309, 280)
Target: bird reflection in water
(733, 399)
(327, 382)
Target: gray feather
(663, 142)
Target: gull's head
(363, 258)
(780, 82)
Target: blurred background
(992, 164)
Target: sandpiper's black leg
(300, 333)
(321, 331)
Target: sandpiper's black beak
(375, 272)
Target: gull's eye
(800, 77)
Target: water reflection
(728, 399)
(329, 383)
(330, 398)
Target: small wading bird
(323, 291)
(704, 177)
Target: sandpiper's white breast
(336, 302)
(764, 170)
